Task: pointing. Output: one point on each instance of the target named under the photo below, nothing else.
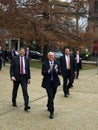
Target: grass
(88, 66)
(38, 64)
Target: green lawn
(88, 66)
(38, 64)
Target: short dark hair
(21, 48)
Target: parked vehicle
(35, 54)
(58, 54)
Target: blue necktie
(52, 72)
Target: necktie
(21, 65)
(68, 60)
(27, 54)
(52, 72)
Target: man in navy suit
(68, 70)
(78, 60)
(20, 74)
(50, 72)
(28, 53)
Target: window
(96, 6)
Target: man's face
(51, 56)
(77, 52)
(22, 52)
(67, 52)
(27, 49)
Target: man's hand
(29, 81)
(13, 78)
(75, 74)
(50, 67)
(56, 67)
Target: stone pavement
(77, 112)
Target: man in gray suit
(20, 74)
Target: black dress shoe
(71, 85)
(14, 104)
(51, 116)
(48, 109)
(65, 95)
(27, 108)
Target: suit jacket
(80, 61)
(11, 55)
(29, 54)
(46, 82)
(64, 67)
(1, 55)
(15, 68)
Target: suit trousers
(51, 91)
(67, 81)
(23, 82)
(78, 68)
(0, 64)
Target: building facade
(93, 23)
(12, 43)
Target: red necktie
(21, 65)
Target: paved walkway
(77, 112)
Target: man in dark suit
(68, 69)
(78, 60)
(28, 53)
(5, 56)
(12, 53)
(50, 72)
(20, 74)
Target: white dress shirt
(77, 56)
(67, 58)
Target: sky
(82, 20)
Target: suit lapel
(18, 61)
(48, 64)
